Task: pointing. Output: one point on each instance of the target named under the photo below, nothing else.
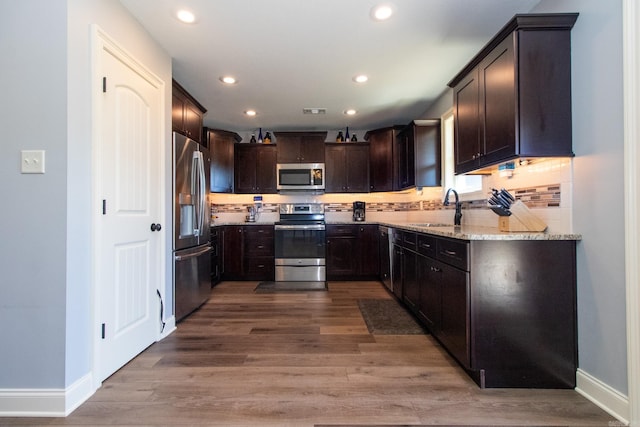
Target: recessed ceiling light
(382, 12)
(350, 112)
(250, 113)
(230, 80)
(186, 16)
(360, 78)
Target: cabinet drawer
(259, 246)
(426, 245)
(409, 240)
(342, 230)
(453, 252)
(259, 268)
(258, 231)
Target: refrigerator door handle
(203, 195)
(196, 190)
(193, 254)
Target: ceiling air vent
(314, 111)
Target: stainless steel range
(300, 243)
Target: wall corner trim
(607, 398)
(45, 402)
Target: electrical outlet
(32, 161)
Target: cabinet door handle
(425, 245)
(260, 246)
(450, 253)
(436, 269)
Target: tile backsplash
(544, 187)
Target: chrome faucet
(458, 215)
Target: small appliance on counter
(251, 214)
(358, 211)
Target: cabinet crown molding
(530, 21)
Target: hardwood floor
(306, 359)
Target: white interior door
(128, 264)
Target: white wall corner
(45, 402)
(607, 398)
(631, 71)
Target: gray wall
(45, 220)
(598, 180)
(33, 215)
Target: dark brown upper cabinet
(255, 168)
(513, 100)
(383, 158)
(300, 147)
(347, 168)
(402, 157)
(186, 113)
(220, 143)
(428, 148)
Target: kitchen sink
(431, 224)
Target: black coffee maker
(358, 211)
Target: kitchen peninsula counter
(466, 232)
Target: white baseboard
(607, 398)
(45, 402)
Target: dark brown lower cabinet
(216, 255)
(454, 312)
(248, 252)
(232, 251)
(352, 251)
(341, 252)
(397, 271)
(410, 284)
(522, 313)
(505, 310)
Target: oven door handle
(300, 227)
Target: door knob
(156, 227)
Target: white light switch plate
(32, 161)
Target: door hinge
(104, 85)
(104, 206)
(103, 330)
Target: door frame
(631, 82)
(100, 42)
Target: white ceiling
(292, 54)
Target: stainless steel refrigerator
(191, 220)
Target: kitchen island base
(504, 309)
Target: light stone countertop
(463, 232)
(470, 232)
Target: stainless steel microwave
(300, 176)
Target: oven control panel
(301, 208)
